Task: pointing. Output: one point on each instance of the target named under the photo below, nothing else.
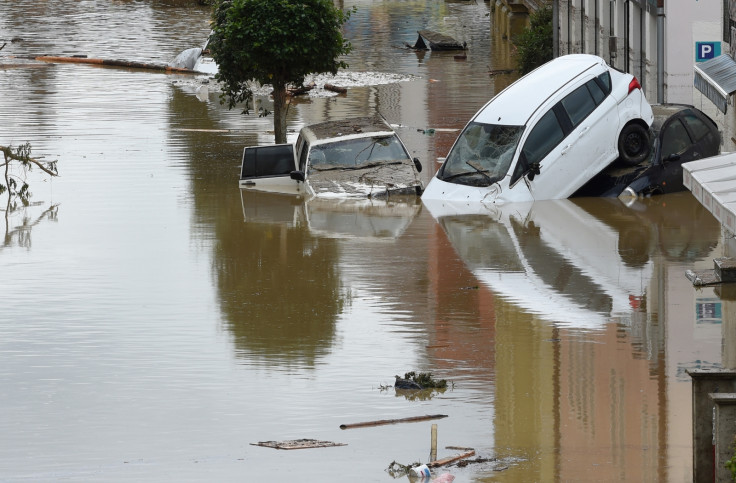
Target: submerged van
(361, 157)
(547, 134)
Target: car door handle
(584, 131)
(565, 149)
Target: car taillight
(634, 84)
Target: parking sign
(707, 50)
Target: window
(697, 127)
(675, 139)
(578, 104)
(302, 148)
(482, 154)
(350, 153)
(267, 161)
(604, 81)
(596, 91)
(544, 137)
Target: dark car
(679, 133)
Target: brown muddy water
(157, 322)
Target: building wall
(687, 22)
(624, 33)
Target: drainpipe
(569, 26)
(555, 29)
(660, 51)
(582, 26)
(596, 25)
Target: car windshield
(481, 155)
(356, 153)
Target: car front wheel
(633, 144)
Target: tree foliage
(276, 42)
(534, 44)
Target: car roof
(663, 112)
(356, 127)
(518, 102)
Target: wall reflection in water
(595, 324)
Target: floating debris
(436, 41)
(423, 380)
(380, 422)
(297, 444)
(397, 470)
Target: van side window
(578, 104)
(604, 81)
(302, 149)
(543, 138)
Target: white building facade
(666, 44)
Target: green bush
(534, 44)
(731, 464)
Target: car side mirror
(418, 165)
(672, 157)
(533, 171)
(297, 176)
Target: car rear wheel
(633, 144)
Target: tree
(534, 44)
(276, 42)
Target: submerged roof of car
(346, 128)
(515, 105)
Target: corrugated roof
(716, 79)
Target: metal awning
(716, 78)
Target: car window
(302, 149)
(675, 139)
(349, 153)
(303, 159)
(604, 81)
(482, 154)
(697, 127)
(276, 160)
(544, 137)
(596, 91)
(578, 104)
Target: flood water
(157, 321)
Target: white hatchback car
(547, 134)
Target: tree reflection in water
(279, 290)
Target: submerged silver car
(359, 157)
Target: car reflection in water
(576, 263)
(550, 258)
(332, 218)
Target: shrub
(534, 44)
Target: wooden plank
(451, 459)
(392, 421)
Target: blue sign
(707, 50)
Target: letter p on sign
(707, 50)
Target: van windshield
(481, 155)
(356, 153)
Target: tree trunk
(279, 112)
